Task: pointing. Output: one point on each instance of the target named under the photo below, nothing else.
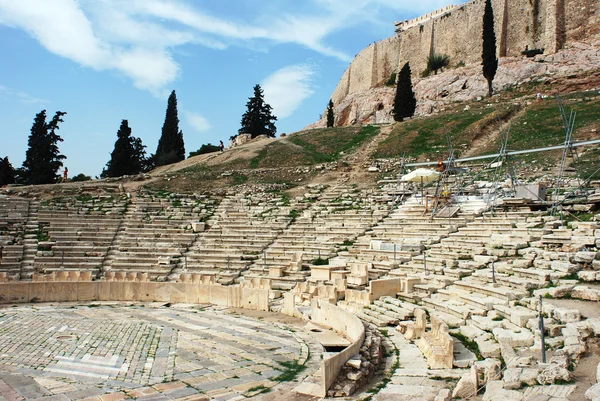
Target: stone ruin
(457, 298)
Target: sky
(102, 61)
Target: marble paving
(148, 352)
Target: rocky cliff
(567, 32)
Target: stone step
(370, 319)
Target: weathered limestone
(468, 385)
(437, 345)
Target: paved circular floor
(151, 352)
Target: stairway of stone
(240, 230)
(155, 232)
(386, 311)
(75, 232)
(332, 222)
(13, 218)
(30, 241)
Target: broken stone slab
(444, 395)
(468, 385)
(522, 263)
(554, 292)
(585, 293)
(565, 267)
(354, 361)
(473, 332)
(593, 393)
(589, 275)
(554, 373)
(516, 339)
(585, 257)
(355, 376)
(517, 315)
(489, 370)
(529, 376)
(566, 315)
(512, 378)
(488, 348)
(495, 392)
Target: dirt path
(490, 133)
(357, 172)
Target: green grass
(42, 236)
(537, 125)
(310, 147)
(383, 383)
(84, 198)
(320, 262)
(426, 137)
(294, 214)
(253, 391)
(469, 344)
(238, 179)
(291, 370)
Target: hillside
(345, 154)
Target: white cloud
(23, 97)
(137, 37)
(62, 27)
(287, 88)
(197, 122)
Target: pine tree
(330, 115)
(7, 172)
(489, 59)
(43, 159)
(171, 148)
(129, 155)
(405, 102)
(258, 120)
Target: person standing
(221, 145)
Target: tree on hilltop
(405, 102)
(128, 156)
(171, 148)
(7, 172)
(489, 59)
(330, 115)
(258, 118)
(43, 159)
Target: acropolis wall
(456, 31)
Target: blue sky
(102, 61)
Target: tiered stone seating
(326, 226)
(77, 232)
(155, 233)
(239, 232)
(13, 219)
(399, 239)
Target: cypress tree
(7, 172)
(405, 102)
(171, 148)
(43, 159)
(129, 155)
(330, 115)
(258, 118)
(489, 59)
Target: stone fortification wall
(519, 24)
(581, 20)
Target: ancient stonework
(544, 26)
